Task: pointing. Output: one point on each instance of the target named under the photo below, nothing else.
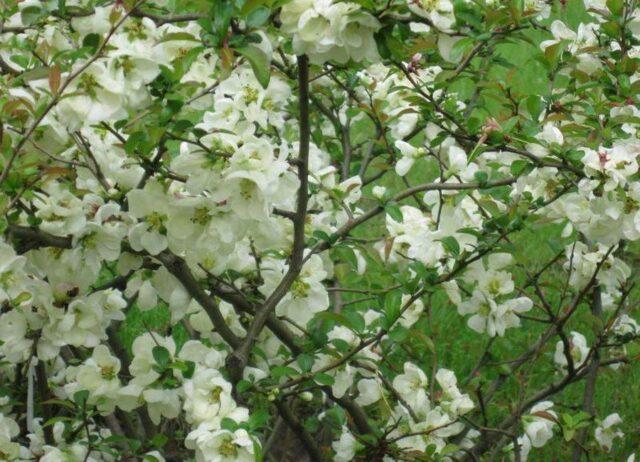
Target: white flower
(153, 456)
(142, 365)
(61, 211)
(369, 392)
(412, 314)
(578, 350)
(616, 164)
(493, 317)
(221, 445)
(307, 295)
(343, 376)
(9, 430)
(459, 166)
(524, 447)
(624, 326)
(162, 402)
(99, 376)
(379, 191)
(583, 262)
(150, 206)
(492, 278)
(409, 155)
(606, 432)
(411, 385)
(12, 276)
(16, 347)
(96, 23)
(539, 425)
(95, 96)
(453, 401)
(549, 136)
(439, 12)
(345, 447)
(208, 399)
(330, 31)
(415, 236)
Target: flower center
(214, 394)
(108, 372)
(228, 448)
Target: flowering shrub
(376, 230)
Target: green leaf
(57, 419)
(616, 6)
(334, 317)
(260, 63)
(228, 424)
(341, 345)
(449, 449)
(257, 451)
(243, 385)
(460, 47)
(611, 28)
(481, 178)
(324, 379)
(60, 402)
(277, 372)
(392, 306)
(398, 333)
(305, 361)
(519, 166)
(80, 397)
(258, 17)
(569, 433)
(393, 210)
(221, 12)
(451, 245)
(161, 356)
(186, 367)
(182, 36)
(356, 320)
(159, 440)
(258, 419)
(381, 42)
(91, 41)
(30, 15)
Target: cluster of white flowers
(438, 12)
(490, 303)
(327, 30)
(423, 422)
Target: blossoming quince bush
(386, 230)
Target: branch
(160, 20)
(32, 238)
(45, 394)
(238, 359)
(178, 267)
(590, 383)
(296, 426)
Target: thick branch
(178, 267)
(590, 382)
(237, 360)
(296, 426)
